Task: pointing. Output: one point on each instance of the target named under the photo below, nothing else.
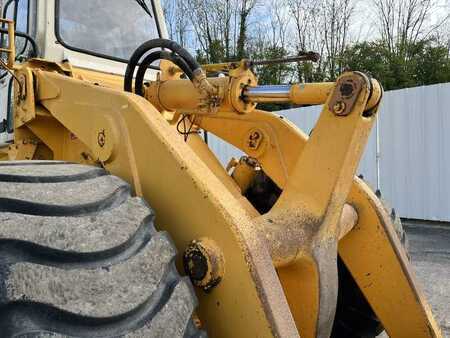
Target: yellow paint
(378, 262)
(193, 196)
(11, 49)
(157, 162)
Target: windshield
(107, 28)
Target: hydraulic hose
(161, 44)
(159, 55)
(149, 59)
(34, 45)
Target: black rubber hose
(159, 55)
(149, 59)
(6, 7)
(148, 46)
(27, 37)
(9, 108)
(180, 62)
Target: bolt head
(254, 140)
(339, 108)
(204, 263)
(101, 138)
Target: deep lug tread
(41, 209)
(51, 179)
(57, 282)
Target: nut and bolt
(339, 108)
(345, 97)
(101, 138)
(204, 263)
(254, 140)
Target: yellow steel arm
(177, 94)
(373, 270)
(126, 134)
(280, 146)
(378, 262)
(189, 200)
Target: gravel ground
(430, 254)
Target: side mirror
(11, 49)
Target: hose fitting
(210, 95)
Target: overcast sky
(364, 22)
(364, 27)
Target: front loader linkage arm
(278, 273)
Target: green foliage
(311, 72)
(418, 64)
(433, 65)
(215, 54)
(272, 74)
(408, 65)
(276, 73)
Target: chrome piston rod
(300, 94)
(270, 93)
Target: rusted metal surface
(288, 243)
(204, 263)
(301, 232)
(344, 98)
(204, 207)
(309, 210)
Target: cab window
(107, 28)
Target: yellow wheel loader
(105, 117)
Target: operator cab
(95, 35)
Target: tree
(432, 64)
(428, 63)
(245, 9)
(410, 50)
(269, 42)
(306, 17)
(336, 22)
(372, 58)
(177, 23)
(405, 22)
(219, 27)
(322, 26)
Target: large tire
(354, 316)
(396, 221)
(80, 257)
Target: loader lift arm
(294, 162)
(275, 265)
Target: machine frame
(267, 268)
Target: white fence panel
(414, 148)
